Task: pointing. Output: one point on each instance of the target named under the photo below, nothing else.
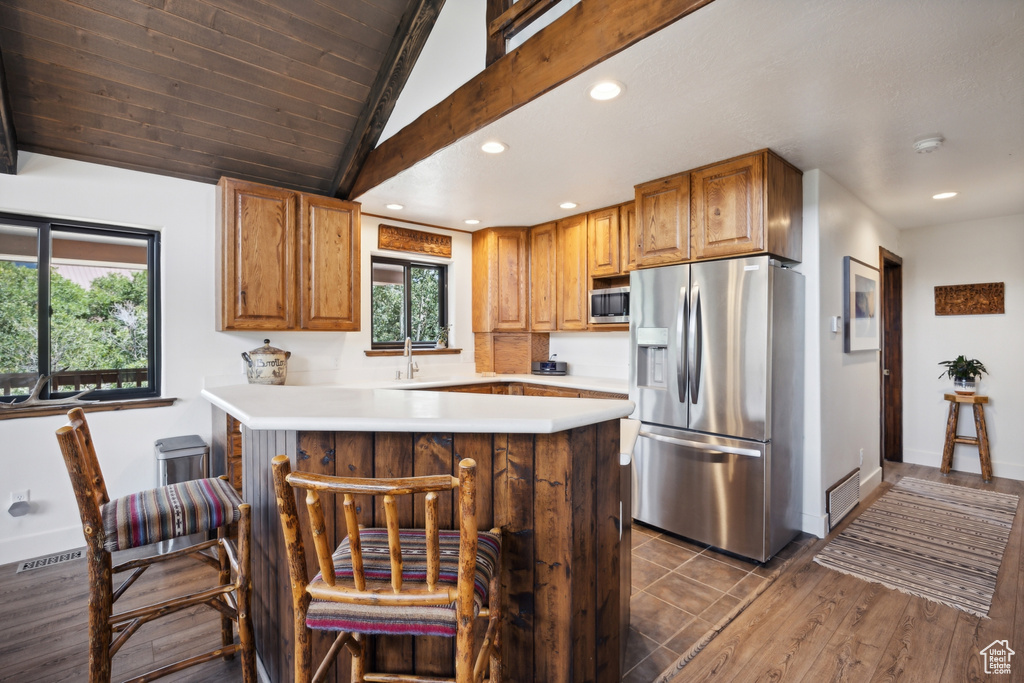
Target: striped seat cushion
(168, 512)
(434, 620)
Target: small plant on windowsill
(963, 371)
(442, 337)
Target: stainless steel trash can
(181, 458)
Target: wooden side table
(952, 438)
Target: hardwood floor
(811, 625)
(814, 624)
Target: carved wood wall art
(416, 241)
(979, 299)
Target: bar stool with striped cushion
(141, 519)
(392, 581)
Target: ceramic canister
(266, 365)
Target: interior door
(892, 356)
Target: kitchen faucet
(410, 367)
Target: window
(407, 300)
(78, 301)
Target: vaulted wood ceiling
(292, 94)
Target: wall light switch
(835, 323)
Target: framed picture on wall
(861, 306)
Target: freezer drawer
(708, 489)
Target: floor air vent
(842, 497)
(40, 562)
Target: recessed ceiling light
(395, 207)
(606, 90)
(944, 195)
(567, 205)
(472, 221)
(927, 144)
(494, 147)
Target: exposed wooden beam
(405, 49)
(586, 35)
(8, 139)
(519, 16)
(495, 41)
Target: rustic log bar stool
(146, 518)
(419, 582)
(952, 438)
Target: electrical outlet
(19, 496)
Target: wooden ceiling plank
(239, 100)
(190, 103)
(179, 62)
(587, 34)
(8, 137)
(188, 118)
(405, 50)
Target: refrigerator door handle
(681, 315)
(701, 446)
(693, 343)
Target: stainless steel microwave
(609, 306)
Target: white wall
(192, 350)
(842, 404)
(964, 253)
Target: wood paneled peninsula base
(549, 478)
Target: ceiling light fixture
(944, 195)
(494, 147)
(926, 144)
(472, 221)
(606, 90)
(567, 205)
(395, 207)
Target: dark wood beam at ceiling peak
(405, 48)
(8, 138)
(587, 34)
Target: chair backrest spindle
(352, 522)
(433, 542)
(394, 542)
(318, 528)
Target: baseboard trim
(21, 548)
(869, 481)
(816, 525)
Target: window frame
(44, 229)
(442, 297)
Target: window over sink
(408, 299)
(80, 302)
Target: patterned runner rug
(935, 541)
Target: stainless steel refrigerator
(716, 372)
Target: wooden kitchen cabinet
(750, 204)
(500, 280)
(604, 242)
(544, 278)
(286, 260)
(544, 390)
(628, 236)
(663, 221)
(573, 283)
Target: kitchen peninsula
(550, 480)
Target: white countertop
(361, 407)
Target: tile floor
(680, 590)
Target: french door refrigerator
(716, 372)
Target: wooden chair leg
(359, 659)
(947, 449)
(101, 599)
(227, 634)
(243, 595)
(983, 454)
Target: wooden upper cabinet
(663, 221)
(256, 259)
(628, 237)
(604, 242)
(751, 204)
(329, 264)
(543, 278)
(573, 283)
(286, 260)
(500, 280)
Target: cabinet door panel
(329, 258)
(603, 244)
(572, 274)
(663, 221)
(511, 299)
(728, 216)
(543, 278)
(257, 258)
(627, 230)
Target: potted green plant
(963, 371)
(442, 337)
